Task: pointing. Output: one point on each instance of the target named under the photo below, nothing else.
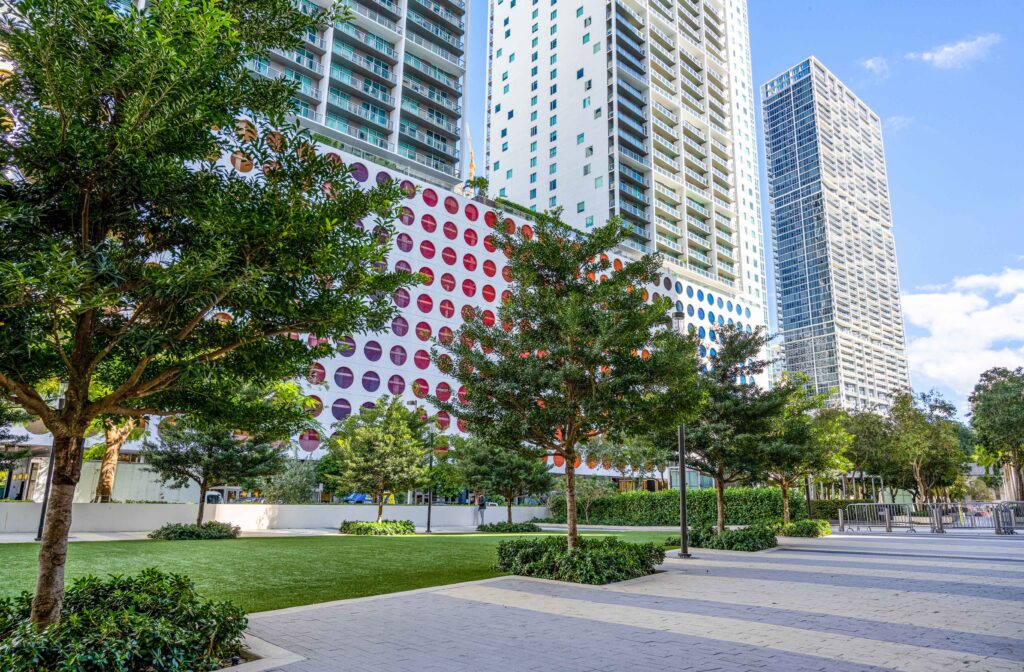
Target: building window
(580, 206)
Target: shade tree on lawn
(133, 260)
(380, 450)
(508, 471)
(577, 351)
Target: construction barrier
(881, 516)
(1009, 517)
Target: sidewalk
(28, 537)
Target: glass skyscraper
(837, 282)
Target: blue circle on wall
(711, 317)
(711, 299)
(702, 333)
(689, 292)
(689, 310)
(700, 314)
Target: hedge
(806, 528)
(743, 506)
(385, 528)
(828, 509)
(509, 528)
(190, 531)
(749, 539)
(595, 560)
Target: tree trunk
(53, 551)
(115, 438)
(785, 502)
(720, 501)
(570, 502)
(202, 504)
(509, 501)
(380, 507)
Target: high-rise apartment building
(387, 85)
(836, 277)
(641, 109)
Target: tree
(738, 417)
(634, 456)
(478, 185)
(381, 449)
(116, 432)
(294, 484)
(208, 454)
(577, 351)
(806, 439)
(997, 415)
(589, 490)
(870, 446)
(926, 438)
(133, 259)
(507, 471)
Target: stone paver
(914, 604)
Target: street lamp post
(684, 530)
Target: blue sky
(948, 79)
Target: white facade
(641, 109)
(836, 274)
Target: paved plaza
(871, 602)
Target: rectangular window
(581, 206)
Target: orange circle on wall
(559, 461)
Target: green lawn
(272, 573)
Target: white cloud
(877, 66)
(960, 54)
(898, 123)
(957, 331)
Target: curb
(267, 656)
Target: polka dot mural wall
(444, 237)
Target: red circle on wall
(451, 232)
(425, 303)
(463, 395)
(506, 296)
(506, 273)
(461, 424)
(490, 268)
(445, 334)
(443, 420)
(421, 359)
(451, 204)
(471, 237)
(447, 308)
(527, 231)
(443, 391)
(489, 244)
(427, 249)
(468, 313)
(423, 331)
(510, 227)
(448, 282)
(420, 388)
(468, 287)
(428, 223)
(428, 275)
(430, 197)
(488, 318)
(490, 217)
(449, 256)
(471, 212)
(488, 293)
(469, 261)
(559, 461)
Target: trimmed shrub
(153, 622)
(754, 538)
(595, 560)
(743, 506)
(189, 531)
(828, 509)
(385, 528)
(509, 528)
(806, 528)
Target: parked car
(366, 498)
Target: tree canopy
(140, 267)
(497, 470)
(997, 415)
(577, 350)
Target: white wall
(134, 482)
(24, 517)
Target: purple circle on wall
(396, 384)
(347, 347)
(373, 351)
(343, 377)
(404, 242)
(403, 266)
(371, 381)
(409, 188)
(407, 216)
(383, 176)
(369, 404)
(398, 355)
(400, 326)
(341, 409)
(401, 297)
(359, 172)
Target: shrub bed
(743, 506)
(385, 528)
(595, 560)
(806, 528)
(750, 539)
(153, 622)
(208, 530)
(828, 509)
(509, 528)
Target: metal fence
(938, 517)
